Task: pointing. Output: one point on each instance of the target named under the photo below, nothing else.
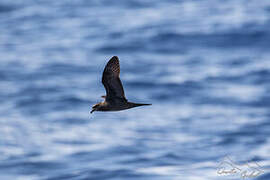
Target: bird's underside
(119, 106)
(115, 99)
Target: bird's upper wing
(112, 82)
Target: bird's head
(95, 107)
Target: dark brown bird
(115, 99)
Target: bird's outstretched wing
(112, 82)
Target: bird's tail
(138, 104)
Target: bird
(115, 99)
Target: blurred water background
(205, 66)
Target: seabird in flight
(115, 99)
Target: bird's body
(115, 99)
(105, 106)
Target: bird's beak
(92, 110)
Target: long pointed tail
(137, 104)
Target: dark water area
(204, 65)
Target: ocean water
(204, 65)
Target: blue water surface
(204, 65)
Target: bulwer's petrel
(115, 99)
